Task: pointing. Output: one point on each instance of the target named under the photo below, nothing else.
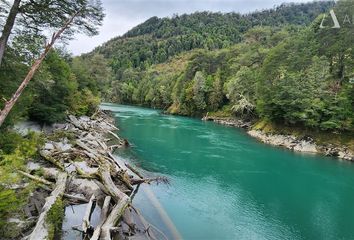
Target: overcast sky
(122, 15)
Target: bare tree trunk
(10, 103)
(10, 22)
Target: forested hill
(157, 39)
(228, 24)
(287, 70)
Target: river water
(226, 185)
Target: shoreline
(288, 141)
(76, 166)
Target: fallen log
(49, 158)
(83, 173)
(50, 184)
(86, 226)
(74, 121)
(40, 231)
(147, 225)
(112, 126)
(105, 171)
(114, 160)
(121, 199)
(149, 180)
(75, 198)
(103, 145)
(114, 147)
(106, 178)
(114, 217)
(134, 170)
(114, 135)
(103, 217)
(35, 178)
(124, 177)
(68, 196)
(85, 147)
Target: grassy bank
(15, 190)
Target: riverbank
(305, 144)
(76, 165)
(218, 171)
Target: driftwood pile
(85, 171)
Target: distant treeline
(286, 69)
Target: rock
(25, 127)
(33, 166)
(74, 121)
(86, 187)
(66, 147)
(228, 122)
(69, 168)
(289, 142)
(49, 146)
(59, 125)
(84, 119)
(88, 170)
(50, 173)
(62, 146)
(305, 146)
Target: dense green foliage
(156, 40)
(54, 92)
(275, 65)
(55, 219)
(15, 151)
(12, 71)
(281, 71)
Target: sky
(122, 15)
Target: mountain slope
(158, 39)
(295, 75)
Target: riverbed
(226, 185)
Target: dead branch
(114, 135)
(150, 180)
(49, 158)
(104, 214)
(114, 217)
(134, 170)
(35, 178)
(86, 226)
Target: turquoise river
(227, 185)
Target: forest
(287, 66)
(277, 65)
(53, 91)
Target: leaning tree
(35, 18)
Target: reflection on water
(73, 217)
(226, 185)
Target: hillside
(282, 72)
(158, 39)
